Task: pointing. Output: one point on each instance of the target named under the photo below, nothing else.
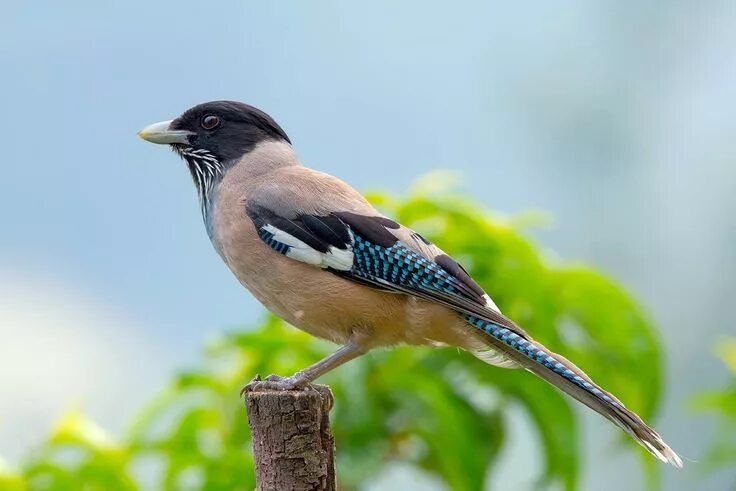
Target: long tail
(561, 373)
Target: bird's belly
(306, 296)
(332, 308)
(323, 304)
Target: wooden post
(293, 446)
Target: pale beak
(160, 133)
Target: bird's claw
(273, 382)
(250, 385)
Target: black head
(212, 136)
(226, 129)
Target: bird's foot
(274, 382)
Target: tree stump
(293, 446)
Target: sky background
(615, 118)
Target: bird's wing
(316, 218)
(332, 227)
(369, 249)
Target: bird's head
(212, 137)
(223, 131)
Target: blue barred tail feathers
(570, 379)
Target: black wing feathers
(456, 269)
(298, 229)
(373, 229)
(330, 229)
(318, 232)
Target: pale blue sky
(614, 118)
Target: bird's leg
(352, 349)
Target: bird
(316, 253)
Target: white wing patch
(299, 250)
(340, 259)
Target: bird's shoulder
(296, 190)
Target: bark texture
(293, 446)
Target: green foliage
(78, 455)
(723, 404)
(440, 410)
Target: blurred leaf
(9, 480)
(75, 429)
(727, 351)
(721, 403)
(79, 455)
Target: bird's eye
(210, 122)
